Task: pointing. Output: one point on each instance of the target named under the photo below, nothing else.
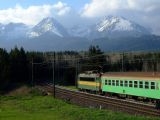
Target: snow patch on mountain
(110, 26)
(33, 34)
(48, 25)
(114, 24)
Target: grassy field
(46, 108)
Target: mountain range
(111, 33)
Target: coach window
(106, 81)
(140, 84)
(152, 85)
(146, 85)
(126, 83)
(117, 82)
(130, 84)
(109, 82)
(113, 82)
(121, 83)
(135, 84)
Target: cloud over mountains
(98, 8)
(145, 12)
(32, 14)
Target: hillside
(141, 43)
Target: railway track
(101, 102)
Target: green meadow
(34, 107)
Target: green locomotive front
(140, 84)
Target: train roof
(134, 75)
(88, 75)
(92, 73)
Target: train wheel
(107, 94)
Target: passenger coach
(138, 84)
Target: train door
(98, 84)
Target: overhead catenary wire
(124, 61)
(82, 61)
(89, 57)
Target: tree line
(19, 67)
(16, 67)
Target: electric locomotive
(89, 81)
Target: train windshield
(86, 79)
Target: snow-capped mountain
(111, 26)
(48, 25)
(112, 23)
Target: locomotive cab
(89, 81)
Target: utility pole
(157, 66)
(76, 76)
(53, 67)
(32, 72)
(122, 62)
(77, 71)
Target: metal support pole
(53, 66)
(76, 68)
(157, 66)
(32, 72)
(77, 72)
(122, 62)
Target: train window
(130, 84)
(152, 85)
(106, 82)
(146, 85)
(113, 82)
(87, 79)
(141, 84)
(126, 83)
(135, 84)
(117, 82)
(109, 82)
(121, 83)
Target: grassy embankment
(35, 107)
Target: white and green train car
(138, 84)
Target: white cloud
(61, 8)
(32, 14)
(102, 7)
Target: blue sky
(76, 4)
(71, 12)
